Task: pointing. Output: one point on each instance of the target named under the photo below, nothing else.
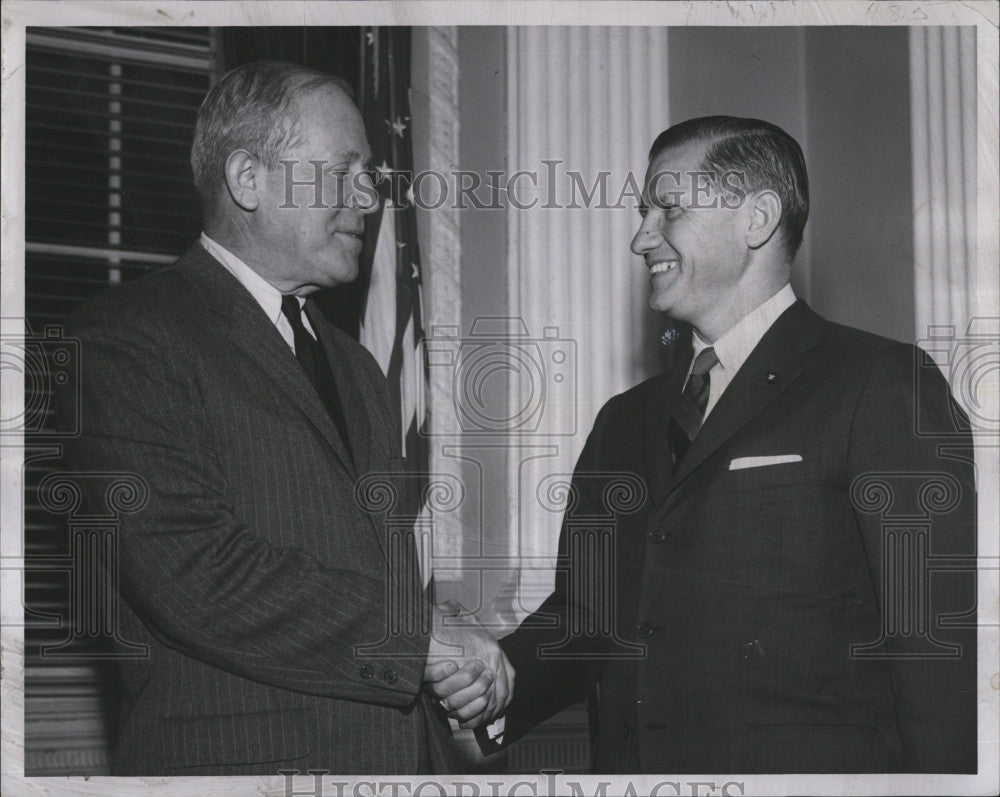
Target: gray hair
(251, 107)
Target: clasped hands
(466, 669)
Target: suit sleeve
(203, 581)
(546, 684)
(934, 696)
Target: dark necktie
(690, 410)
(312, 357)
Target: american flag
(390, 260)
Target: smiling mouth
(663, 265)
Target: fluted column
(954, 121)
(442, 300)
(591, 100)
(943, 91)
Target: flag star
(398, 127)
(400, 244)
(384, 170)
(409, 194)
(370, 37)
(416, 271)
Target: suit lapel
(358, 402)
(352, 402)
(252, 331)
(769, 370)
(659, 459)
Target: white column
(954, 117)
(955, 189)
(591, 99)
(943, 92)
(442, 291)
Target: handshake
(466, 670)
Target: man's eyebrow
(348, 155)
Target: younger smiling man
(751, 578)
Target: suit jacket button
(645, 630)
(366, 671)
(390, 677)
(657, 535)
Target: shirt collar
(267, 296)
(735, 345)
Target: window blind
(109, 116)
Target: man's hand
(466, 669)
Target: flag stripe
(378, 323)
(392, 320)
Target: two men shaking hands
(257, 584)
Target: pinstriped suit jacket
(261, 588)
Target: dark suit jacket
(252, 573)
(746, 589)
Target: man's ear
(764, 217)
(243, 179)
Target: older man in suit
(284, 630)
(770, 606)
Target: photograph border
(16, 16)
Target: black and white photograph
(500, 398)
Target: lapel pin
(771, 377)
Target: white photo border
(17, 15)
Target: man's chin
(671, 310)
(660, 304)
(341, 275)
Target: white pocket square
(759, 462)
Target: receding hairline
(345, 109)
(323, 82)
(703, 143)
(333, 88)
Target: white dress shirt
(267, 296)
(735, 345)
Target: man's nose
(647, 237)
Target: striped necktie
(690, 410)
